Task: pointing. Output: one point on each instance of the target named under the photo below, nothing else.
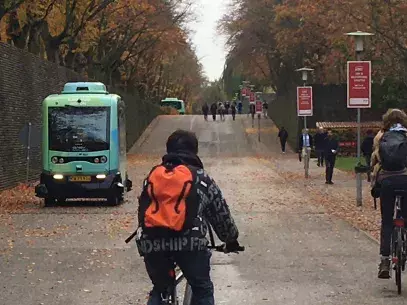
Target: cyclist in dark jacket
(189, 249)
(396, 120)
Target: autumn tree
(7, 6)
(269, 39)
(140, 46)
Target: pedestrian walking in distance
(214, 109)
(331, 151)
(283, 135)
(319, 145)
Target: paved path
(296, 253)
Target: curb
(145, 135)
(368, 235)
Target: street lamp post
(359, 39)
(304, 72)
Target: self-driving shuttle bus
(175, 103)
(84, 145)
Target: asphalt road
(295, 253)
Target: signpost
(259, 107)
(359, 96)
(244, 91)
(304, 97)
(304, 103)
(252, 96)
(359, 84)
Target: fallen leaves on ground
(264, 130)
(121, 224)
(18, 199)
(43, 232)
(338, 200)
(142, 159)
(343, 205)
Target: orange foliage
(138, 44)
(272, 38)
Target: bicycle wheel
(404, 250)
(187, 295)
(398, 264)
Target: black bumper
(51, 188)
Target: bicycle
(399, 239)
(171, 298)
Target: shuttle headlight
(96, 160)
(101, 176)
(54, 160)
(58, 177)
(103, 159)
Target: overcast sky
(210, 46)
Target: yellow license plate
(80, 178)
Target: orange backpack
(169, 198)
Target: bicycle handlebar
(222, 248)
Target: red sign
(348, 144)
(304, 101)
(359, 84)
(244, 92)
(259, 107)
(252, 96)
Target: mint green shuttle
(84, 145)
(175, 103)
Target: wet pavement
(296, 253)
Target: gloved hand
(232, 247)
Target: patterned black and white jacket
(212, 209)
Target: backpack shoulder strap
(194, 172)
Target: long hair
(394, 116)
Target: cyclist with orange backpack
(177, 198)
